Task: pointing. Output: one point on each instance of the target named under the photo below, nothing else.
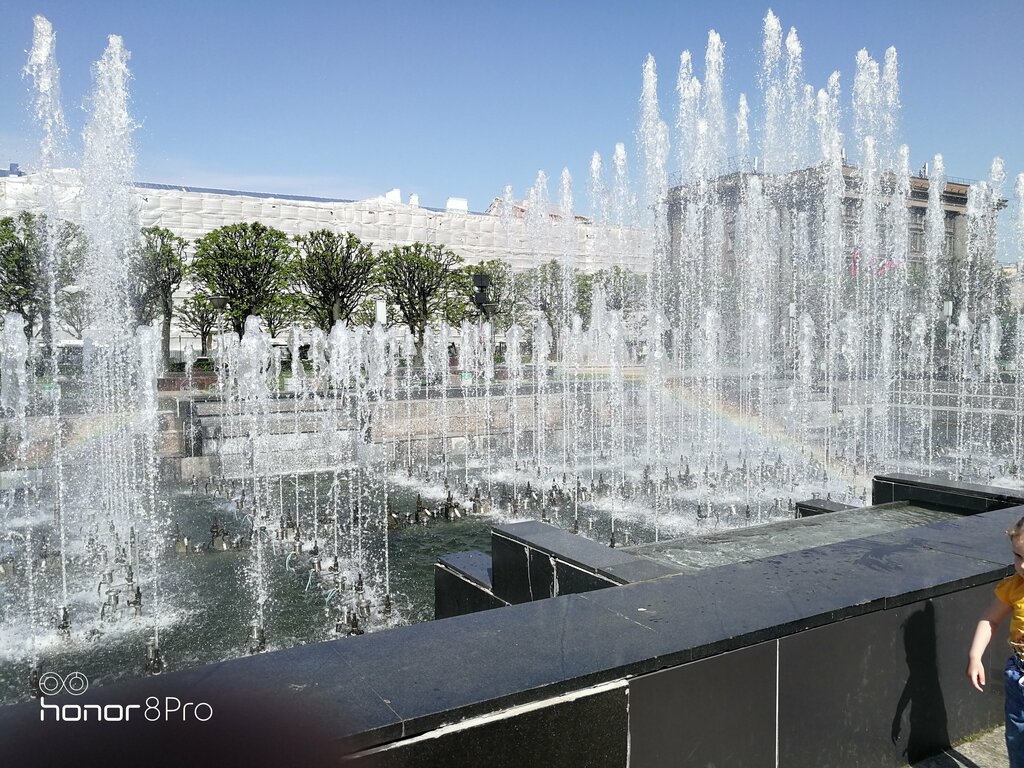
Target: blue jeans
(1014, 712)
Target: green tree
(156, 271)
(73, 312)
(333, 272)
(22, 276)
(283, 311)
(142, 305)
(24, 248)
(197, 316)
(557, 293)
(249, 264)
(622, 287)
(423, 282)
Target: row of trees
(324, 276)
(319, 279)
(155, 270)
(312, 280)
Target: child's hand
(976, 674)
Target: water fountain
(779, 349)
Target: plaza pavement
(988, 750)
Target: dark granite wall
(463, 584)
(717, 711)
(881, 689)
(588, 731)
(886, 688)
(876, 689)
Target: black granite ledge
(692, 616)
(728, 607)
(815, 506)
(363, 692)
(463, 584)
(964, 537)
(620, 565)
(968, 497)
(471, 564)
(572, 548)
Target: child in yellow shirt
(1009, 602)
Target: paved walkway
(986, 751)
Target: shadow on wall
(922, 693)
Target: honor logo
(50, 684)
(169, 709)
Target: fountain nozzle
(154, 658)
(64, 623)
(258, 639)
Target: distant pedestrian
(1009, 602)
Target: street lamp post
(947, 312)
(483, 302)
(481, 297)
(220, 303)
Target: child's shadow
(929, 733)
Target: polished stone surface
(572, 580)
(964, 537)
(617, 565)
(484, 661)
(572, 548)
(708, 713)
(475, 566)
(759, 541)
(721, 608)
(510, 569)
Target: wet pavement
(988, 750)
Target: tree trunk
(165, 342)
(46, 332)
(553, 347)
(418, 333)
(335, 313)
(30, 326)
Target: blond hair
(1017, 532)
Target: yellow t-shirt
(1011, 591)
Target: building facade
(384, 222)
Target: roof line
(269, 195)
(239, 193)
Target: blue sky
(349, 99)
